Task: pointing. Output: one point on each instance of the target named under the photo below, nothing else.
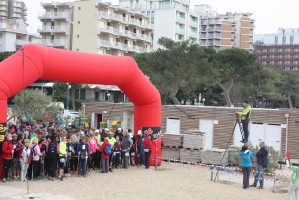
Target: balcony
(180, 19)
(53, 15)
(13, 27)
(15, 15)
(193, 34)
(55, 43)
(3, 8)
(25, 13)
(52, 29)
(25, 9)
(17, 10)
(3, 3)
(193, 23)
(17, 4)
(180, 30)
(123, 33)
(3, 14)
(21, 42)
(120, 18)
(120, 46)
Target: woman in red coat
(7, 150)
(104, 156)
(148, 142)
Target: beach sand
(169, 182)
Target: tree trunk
(173, 94)
(73, 99)
(226, 91)
(174, 99)
(290, 100)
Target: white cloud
(269, 15)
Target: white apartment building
(288, 36)
(13, 9)
(94, 26)
(222, 31)
(13, 35)
(171, 18)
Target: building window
(128, 124)
(0, 35)
(78, 22)
(77, 49)
(79, 8)
(276, 40)
(283, 39)
(78, 36)
(291, 39)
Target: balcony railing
(121, 32)
(22, 42)
(47, 29)
(120, 18)
(194, 34)
(180, 30)
(181, 19)
(193, 23)
(13, 27)
(3, 3)
(3, 8)
(53, 15)
(120, 46)
(55, 43)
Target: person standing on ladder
(245, 117)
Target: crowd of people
(34, 151)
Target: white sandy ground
(169, 182)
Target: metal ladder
(238, 120)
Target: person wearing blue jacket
(83, 152)
(247, 158)
(261, 158)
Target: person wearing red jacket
(148, 142)
(104, 156)
(7, 150)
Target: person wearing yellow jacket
(62, 156)
(245, 117)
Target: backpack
(32, 153)
(52, 150)
(108, 150)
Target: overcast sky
(269, 15)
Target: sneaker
(8, 179)
(252, 186)
(102, 172)
(61, 179)
(260, 187)
(110, 170)
(68, 175)
(53, 179)
(4, 180)
(132, 164)
(84, 175)
(246, 188)
(15, 178)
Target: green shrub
(274, 157)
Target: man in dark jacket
(261, 157)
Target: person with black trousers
(148, 142)
(7, 151)
(52, 154)
(245, 117)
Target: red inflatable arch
(68, 66)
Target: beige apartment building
(93, 26)
(56, 25)
(13, 9)
(222, 31)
